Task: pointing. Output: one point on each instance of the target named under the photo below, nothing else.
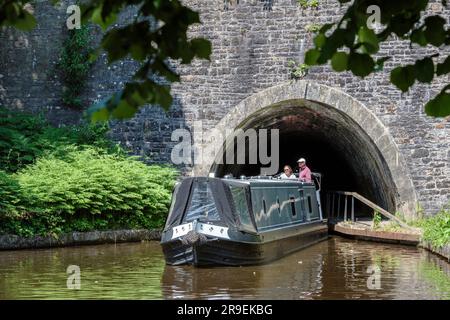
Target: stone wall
(253, 42)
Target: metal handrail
(355, 195)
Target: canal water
(334, 269)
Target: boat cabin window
(241, 205)
(264, 206)
(292, 201)
(202, 203)
(309, 204)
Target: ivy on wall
(74, 65)
(308, 3)
(297, 70)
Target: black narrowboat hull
(237, 253)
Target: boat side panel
(225, 252)
(273, 208)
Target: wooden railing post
(345, 208)
(363, 200)
(339, 205)
(332, 207)
(380, 210)
(353, 208)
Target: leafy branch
(350, 45)
(157, 35)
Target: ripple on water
(333, 269)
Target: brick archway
(351, 121)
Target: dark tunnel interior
(332, 144)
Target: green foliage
(87, 190)
(73, 179)
(308, 3)
(16, 13)
(312, 27)
(75, 64)
(339, 62)
(392, 227)
(24, 137)
(440, 105)
(10, 196)
(397, 18)
(376, 220)
(298, 71)
(436, 229)
(157, 36)
(91, 182)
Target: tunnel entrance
(332, 144)
(338, 136)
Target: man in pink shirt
(304, 174)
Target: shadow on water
(333, 269)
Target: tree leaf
(123, 110)
(439, 106)
(103, 21)
(444, 67)
(418, 36)
(320, 40)
(98, 112)
(368, 39)
(339, 61)
(201, 47)
(25, 22)
(336, 40)
(311, 57)
(424, 70)
(326, 27)
(361, 64)
(434, 31)
(403, 77)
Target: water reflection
(296, 276)
(124, 271)
(333, 269)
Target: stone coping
(377, 235)
(14, 242)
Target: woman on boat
(288, 173)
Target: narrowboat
(245, 221)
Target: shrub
(10, 196)
(437, 229)
(89, 186)
(17, 139)
(72, 178)
(376, 220)
(24, 137)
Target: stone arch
(312, 109)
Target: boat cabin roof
(228, 200)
